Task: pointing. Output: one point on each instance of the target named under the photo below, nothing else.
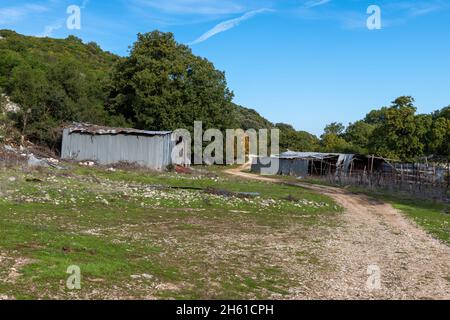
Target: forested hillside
(54, 81)
(395, 132)
(162, 85)
(57, 81)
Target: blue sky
(304, 62)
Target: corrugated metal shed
(280, 166)
(298, 163)
(107, 146)
(306, 155)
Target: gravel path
(375, 242)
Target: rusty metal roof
(85, 128)
(307, 155)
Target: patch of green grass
(432, 216)
(118, 226)
(51, 248)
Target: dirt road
(376, 242)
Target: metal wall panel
(288, 167)
(150, 151)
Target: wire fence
(421, 180)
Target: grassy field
(138, 234)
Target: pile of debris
(12, 156)
(9, 157)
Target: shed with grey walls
(108, 146)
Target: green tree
(403, 102)
(443, 113)
(335, 143)
(163, 86)
(439, 136)
(28, 87)
(376, 117)
(335, 128)
(54, 81)
(333, 139)
(245, 118)
(291, 139)
(8, 61)
(401, 134)
(359, 134)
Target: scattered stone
(12, 179)
(35, 162)
(87, 163)
(167, 286)
(139, 276)
(52, 160)
(9, 148)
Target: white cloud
(316, 3)
(197, 7)
(48, 30)
(394, 13)
(420, 9)
(417, 7)
(227, 25)
(10, 15)
(400, 12)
